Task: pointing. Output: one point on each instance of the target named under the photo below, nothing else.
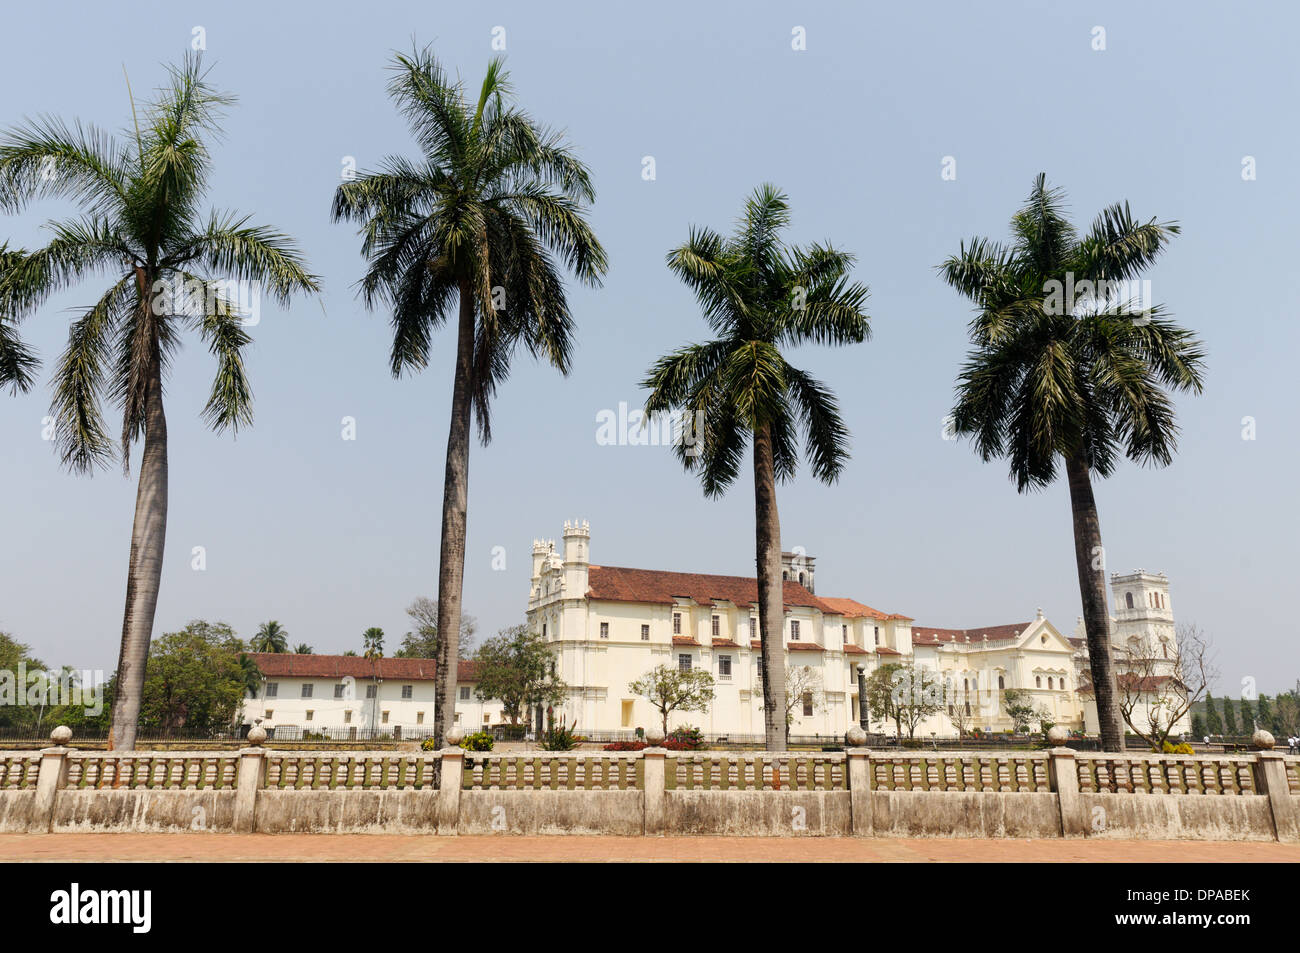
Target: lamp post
(862, 697)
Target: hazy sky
(330, 536)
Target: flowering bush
(626, 746)
(1183, 748)
(684, 739)
(478, 741)
(428, 744)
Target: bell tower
(1143, 612)
(577, 557)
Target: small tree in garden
(1158, 687)
(804, 690)
(917, 694)
(670, 689)
(517, 667)
(1021, 709)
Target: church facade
(610, 625)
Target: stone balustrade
(1054, 793)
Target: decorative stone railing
(366, 770)
(1054, 793)
(1165, 774)
(759, 771)
(171, 770)
(959, 772)
(553, 771)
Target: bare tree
(959, 709)
(1159, 683)
(803, 684)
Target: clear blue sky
(331, 536)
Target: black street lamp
(862, 697)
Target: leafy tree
(760, 297)
(1198, 727)
(1264, 715)
(880, 696)
(917, 694)
(169, 269)
(670, 689)
(15, 713)
(194, 681)
(1229, 717)
(1286, 714)
(1213, 724)
(1021, 709)
(350, 653)
(1077, 383)
(517, 667)
(271, 637)
(373, 642)
(479, 221)
(1247, 717)
(422, 641)
(302, 648)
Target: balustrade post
(860, 785)
(51, 777)
(251, 777)
(451, 779)
(1270, 780)
(654, 790)
(1063, 780)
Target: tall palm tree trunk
(771, 601)
(1092, 587)
(144, 574)
(455, 499)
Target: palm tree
(471, 229)
(18, 364)
(1078, 381)
(302, 648)
(170, 270)
(271, 637)
(759, 297)
(373, 642)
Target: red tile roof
(618, 584)
(290, 664)
(851, 649)
(882, 650)
(852, 609)
(995, 633)
(684, 640)
(725, 644)
(804, 647)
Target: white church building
(609, 625)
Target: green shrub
(561, 738)
(911, 742)
(428, 744)
(478, 741)
(685, 739)
(1183, 748)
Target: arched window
(785, 574)
(1002, 682)
(1038, 681)
(1049, 681)
(801, 579)
(1128, 599)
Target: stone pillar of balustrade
(250, 778)
(1063, 780)
(859, 769)
(50, 779)
(451, 779)
(1270, 780)
(655, 782)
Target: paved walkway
(405, 847)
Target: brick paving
(506, 848)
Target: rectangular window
(844, 634)
(385, 717)
(543, 630)
(306, 690)
(407, 691)
(717, 626)
(464, 693)
(456, 720)
(486, 718)
(419, 717)
(724, 666)
(794, 630)
(753, 627)
(807, 704)
(338, 691)
(683, 663)
(677, 623)
(347, 717)
(877, 635)
(604, 630)
(310, 714)
(372, 691)
(645, 633)
(272, 689)
(268, 715)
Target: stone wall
(1056, 793)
